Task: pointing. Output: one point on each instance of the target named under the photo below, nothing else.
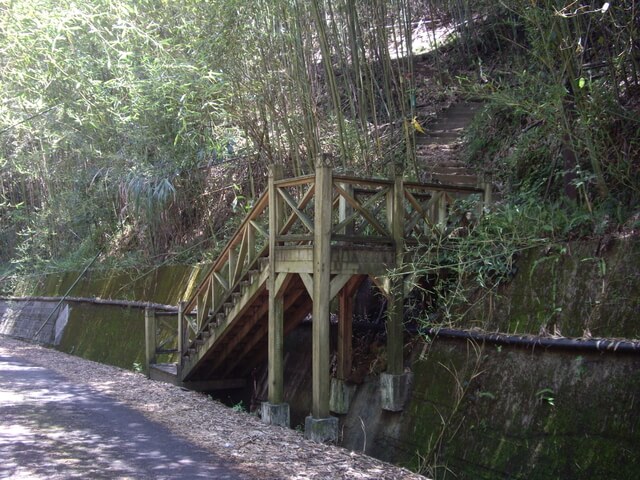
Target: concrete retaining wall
(34, 320)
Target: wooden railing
(362, 212)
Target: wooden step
(424, 140)
(466, 180)
(450, 170)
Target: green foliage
(546, 395)
(566, 125)
(465, 264)
(239, 407)
(136, 128)
(103, 108)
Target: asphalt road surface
(52, 429)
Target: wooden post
(321, 290)
(487, 197)
(276, 304)
(345, 320)
(251, 244)
(442, 211)
(233, 259)
(345, 333)
(344, 208)
(182, 328)
(150, 337)
(395, 306)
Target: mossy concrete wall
(104, 333)
(476, 411)
(482, 412)
(488, 412)
(166, 285)
(108, 334)
(571, 288)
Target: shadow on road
(53, 429)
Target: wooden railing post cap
(324, 161)
(396, 169)
(275, 171)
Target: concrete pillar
(321, 430)
(341, 391)
(345, 332)
(341, 395)
(276, 414)
(395, 391)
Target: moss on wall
(167, 285)
(112, 334)
(570, 288)
(106, 334)
(512, 413)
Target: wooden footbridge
(307, 240)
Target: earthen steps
(437, 149)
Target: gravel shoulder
(258, 450)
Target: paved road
(52, 429)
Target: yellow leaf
(417, 125)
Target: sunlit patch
(12, 367)
(8, 397)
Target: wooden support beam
(349, 214)
(308, 283)
(321, 291)
(251, 245)
(345, 332)
(231, 264)
(259, 228)
(253, 341)
(337, 283)
(242, 256)
(364, 212)
(282, 282)
(306, 198)
(395, 310)
(306, 221)
(182, 341)
(221, 280)
(344, 211)
(276, 307)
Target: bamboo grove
(137, 128)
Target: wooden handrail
(255, 212)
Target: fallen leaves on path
(261, 451)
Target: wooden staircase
(305, 241)
(230, 343)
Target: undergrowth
(461, 265)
